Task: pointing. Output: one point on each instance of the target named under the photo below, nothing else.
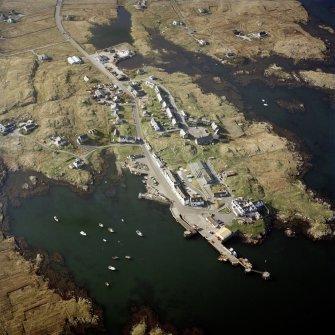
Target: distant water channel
(118, 31)
(181, 279)
(313, 127)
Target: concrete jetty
(204, 228)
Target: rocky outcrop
(319, 79)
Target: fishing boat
(104, 240)
(115, 257)
(83, 233)
(111, 230)
(127, 257)
(101, 225)
(112, 268)
(139, 233)
(56, 218)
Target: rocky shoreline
(28, 184)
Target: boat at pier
(139, 233)
(83, 233)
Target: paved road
(156, 170)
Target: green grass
(251, 229)
(226, 210)
(123, 151)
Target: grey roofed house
(29, 127)
(201, 135)
(201, 171)
(197, 201)
(7, 128)
(82, 139)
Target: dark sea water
(181, 279)
(321, 10)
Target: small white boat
(101, 225)
(112, 268)
(263, 100)
(265, 104)
(83, 233)
(56, 218)
(127, 257)
(111, 230)
(122, 220)
(107, 283)
(139, 233)
(104, 240)
(115, 257)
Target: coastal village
(139, 111)
(195, 152)
(199, 197)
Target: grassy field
(253, 229)
(281, 20)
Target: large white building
(242, 207)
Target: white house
(74, 60)
(155, 125)
(77, 164)
(150, 84)
(159, 97)
(182, 195)
(169, 113)
(60, 141)
(171, 178)
(242, 207)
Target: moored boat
(139, 233)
